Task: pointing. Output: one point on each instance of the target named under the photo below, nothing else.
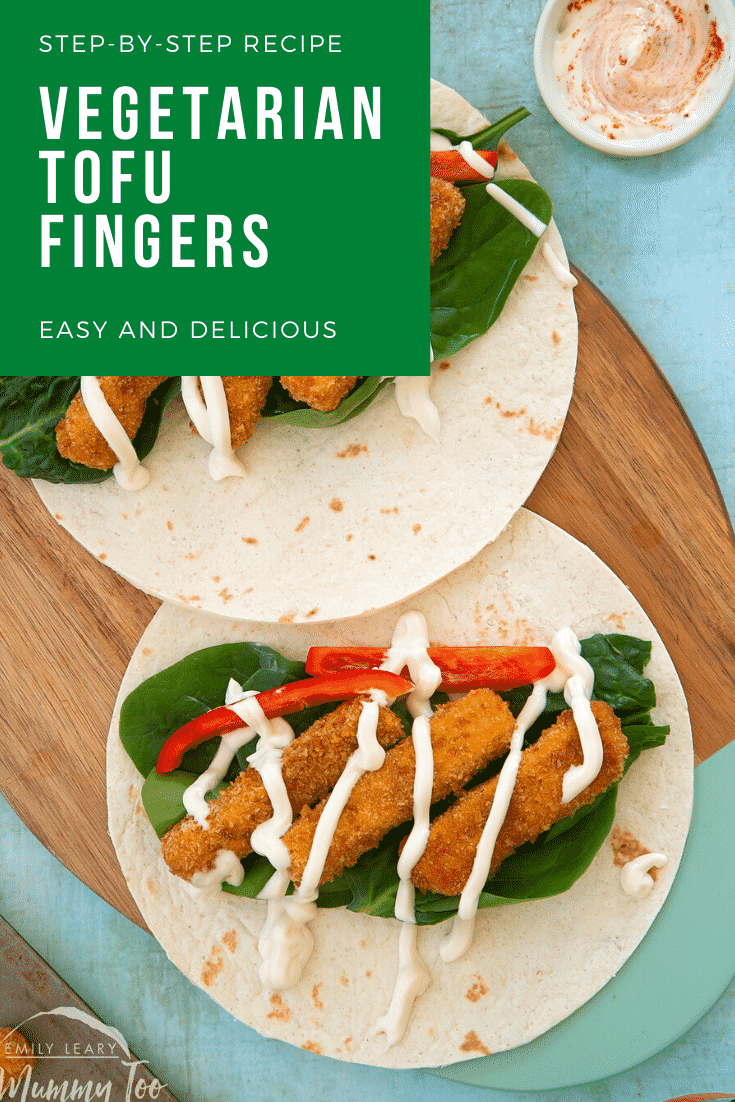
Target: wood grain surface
(629, 479)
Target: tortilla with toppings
(372, 501)
(531, 963)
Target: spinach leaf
(281, 407)
(31, 407)
(472, 278)
(488, 137)
(196, 684)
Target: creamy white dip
(630, 69)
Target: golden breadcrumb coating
(465, 735)
(312, 764)
(246, 395)
(320, 392)
(534, 806)
(447, 207)
(77, 436)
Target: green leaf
(281, 407)
(472, 278)
(162, 795)
(196, 684)
(488, 137)
(31, 406)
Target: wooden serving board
(629, 478)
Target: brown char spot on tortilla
(302, 524)
(387, 511)
(472, 1043)
(351, 451)
(170, 525)
(555, 337)
(539, 428)
(248, 539)
(281, 1010)
(229, 939)
(315, 996)
(477, 991)
(416, 529)
(311, 612)
(151, 886)
(225, 595)
(344, 980)
(336, 505)
(287, 617)
(443, 365)
(510, 412)
(212, 967)
(531, 278)
(312, 1046)
(102, 556)
(626, 847)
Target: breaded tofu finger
(534, 806)
(465, 735)
(77, 436)
(246, 395)
(447, 207)
(312, 764)
(320, 392)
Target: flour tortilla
(333, 523)
(532, 964)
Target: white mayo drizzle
(285, 943)
(576, 677)
(525, 217)
(274, 736)
(563, 274)
(412, 396)
(529, 220)
(634, 878)
(227, 869)
(409, 648)
(211, 419)
(474, 160)
(128, 471)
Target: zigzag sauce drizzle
(575, 676)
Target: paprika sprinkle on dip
(632, 68)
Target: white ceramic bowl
(721, 84)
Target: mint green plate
(678, 971)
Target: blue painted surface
(657, 237)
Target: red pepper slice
(463, 668)
(293, 697)
(449, 164)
